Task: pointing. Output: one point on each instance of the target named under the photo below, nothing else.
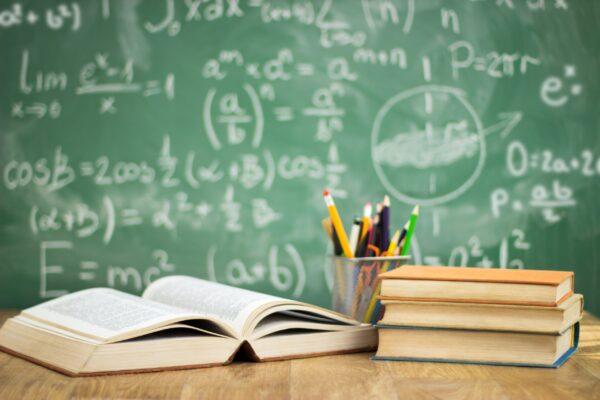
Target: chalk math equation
(203, 131)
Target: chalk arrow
(508, 122)
(37, 109)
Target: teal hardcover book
(557, 363)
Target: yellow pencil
(337, 225)
(390, 252)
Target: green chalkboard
(142, 139)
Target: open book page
(281, 321)
(228, 304)
(103, 313)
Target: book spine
(560, 361)
(477, 301)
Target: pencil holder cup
(356, 285)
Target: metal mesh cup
(356, 285)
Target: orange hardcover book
(477, 285)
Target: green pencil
(411, 229)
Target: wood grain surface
(334, 377)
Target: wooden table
(343, 377)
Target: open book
(179, 322)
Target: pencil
(377, 226)
(367, 211)
(363, 245)
(326, 222)
(328, 227)
(354, 234)
(385, 223)
(370, 241)
(373, 301)
(337, 224)
(354, 243)
(337, 247)
(403, 234)
(411, 229)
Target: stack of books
(479, 315)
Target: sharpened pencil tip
(386, 200)
(368, 209)
(416, 210)
(325, 192)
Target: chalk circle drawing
(428, 145)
